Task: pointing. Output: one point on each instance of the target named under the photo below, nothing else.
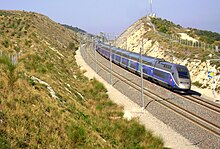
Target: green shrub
(17, 49)
(163, 29)
(27, 27)
(41, 69)
(72, 46)
(28, 42)
(134, 134)
(6, 43)
(49, 66)
(13, 34)
(4, 143)
(34, 34)
(197, 84)
(25, 32)
(77, 134)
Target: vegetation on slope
(165, 26)
(170, 37)
(76, 29)
(168, 27)
(206, 36)
(65, 111)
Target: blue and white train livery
(173, 76)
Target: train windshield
(183, 72)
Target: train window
(131, 57)
(183, 74)
(118, 58)
(147, 63)
(160, 74)
(133, 65)
(124, 61)
(134, 58)
(167, 66)
(123, 54)
(145, 71)
(118, 53)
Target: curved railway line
(202, 119)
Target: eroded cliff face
(136, 37)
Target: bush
(163, 29)
(134, 134)
(4, 143)
(98, 91)
(6, 43)
(197, 84)
(17, 49)
(28, 42)
(72, 46)
(77, 134)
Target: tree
(163, 29)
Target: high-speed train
(170, 75)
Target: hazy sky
(114, 16)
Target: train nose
(185, 84)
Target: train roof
(119, 49)
(134, 55)
(151, 59)
(125, 52)
(137, 55)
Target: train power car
(170, 75)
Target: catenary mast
(151, 7)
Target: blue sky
(114, 16)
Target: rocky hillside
(45, 100)
(164, 39)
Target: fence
(195, 44)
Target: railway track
(203, 102)
(199, 120)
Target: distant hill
(46, 101)
(76, 29)
(83, 35)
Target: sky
(115, 16)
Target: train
(170, 75)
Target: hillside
(46, 101)
(163, 39)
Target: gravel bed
(189, 130)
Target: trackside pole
(213, 86)
(95, 56)
(111, 65)
(142, 83)
(94, 48)
(86, 51)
